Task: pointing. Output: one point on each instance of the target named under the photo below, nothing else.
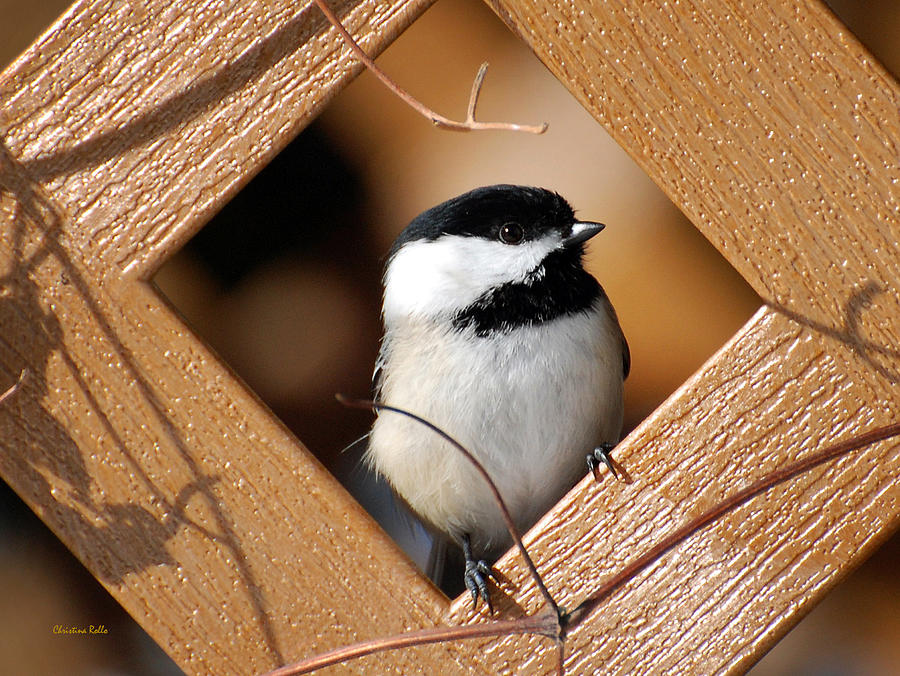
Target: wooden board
(775, 132)
(122, 131)
(124, 128)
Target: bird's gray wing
(626, 352)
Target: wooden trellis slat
(124, 128)
(769, 126)
(117, 100)
(777, 134)
(168, 480)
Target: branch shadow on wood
(850, 334)
(170, 113)
(51, 458)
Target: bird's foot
(601, 454)
(476, 575)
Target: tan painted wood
(717, 602)
(778, 135)
(124, 128)
(118, 99)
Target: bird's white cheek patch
(449, 274)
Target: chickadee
(495, 332)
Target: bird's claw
(601, 454)
(476, 577)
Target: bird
(495, 333)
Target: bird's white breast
(529, 403)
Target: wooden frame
(127, 124)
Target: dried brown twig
(545, 624)
(469, 124)
(789, 471)
(501, 505)
(11, 390)
(556, 624)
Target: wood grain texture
(123, 128)
(778, 391)
(770, 127)
(113, 104)
(775, 132)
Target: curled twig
(789, 471)
(507, 517)
(557, 624)
(469, 124)
(544, 624)
(11, 390)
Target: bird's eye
(511, 233)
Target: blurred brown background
(285, 284)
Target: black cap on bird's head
(511, 214)
(499, 256)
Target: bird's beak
(582, 231)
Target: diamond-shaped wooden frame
(127, 124)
